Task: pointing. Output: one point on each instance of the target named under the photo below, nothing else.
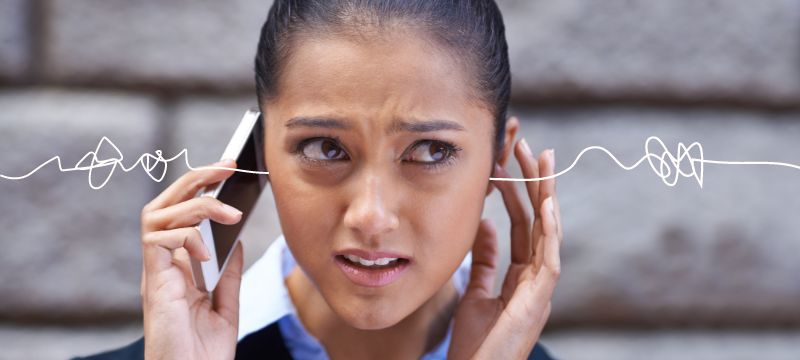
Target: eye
(322, 149)
(431, 151)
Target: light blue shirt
(264, 299)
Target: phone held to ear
(241, 190)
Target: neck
(410, 338)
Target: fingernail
(231, 210)
(548, 204)
(553, 158)
(525, 147)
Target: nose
(370, 212)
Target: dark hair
(470, 29)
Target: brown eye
(429, 151)
(323, 149)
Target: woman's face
(377, 149)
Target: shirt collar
(263, 297)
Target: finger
(484, 262)
(548, 275)
(520, 218)
(530, 169)
(549, 242)
(158, 248)
(180, 257)
(556, 206)
(226, 295)
(546, 189)
(187, 186)
(546, 168)
(538, 253)
(552, 260)
(191, 212)
(548, 228)
(557, 210)
(187, 237)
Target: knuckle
(147, 207)
(190, 235)
(197, 182)
(208, 205)
(186, 239)
(526, 215)
(146, 215)
(201, 179)
(209, 201)
(555, 271)
(192, 211)
(196, 237)
(197, 214)
(148, 239)
(196, 207)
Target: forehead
(377, 78)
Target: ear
(512, 126)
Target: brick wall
(176, 74)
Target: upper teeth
(379, 261)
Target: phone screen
(241, 190)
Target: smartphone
(241, 190)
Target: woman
(384, 120)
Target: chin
(369, 315)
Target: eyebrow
(414, 126)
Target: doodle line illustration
(665, 165)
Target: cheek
(446, 229)
(308, 221)
(450, 215)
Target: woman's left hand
(508, 326)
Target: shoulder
(264, 343)
(539, 353)
(132, 351)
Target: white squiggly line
(148, 161)
(663, 167)
(664, 161)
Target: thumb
(226, 295)
(484, 261)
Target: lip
(377, 277)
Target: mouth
(372, 271)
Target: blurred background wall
(649, 271)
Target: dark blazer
(266, 343)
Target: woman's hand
(508, 326)
(180, 321)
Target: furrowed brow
(422, 126)
(415, 126)
(317, 122)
